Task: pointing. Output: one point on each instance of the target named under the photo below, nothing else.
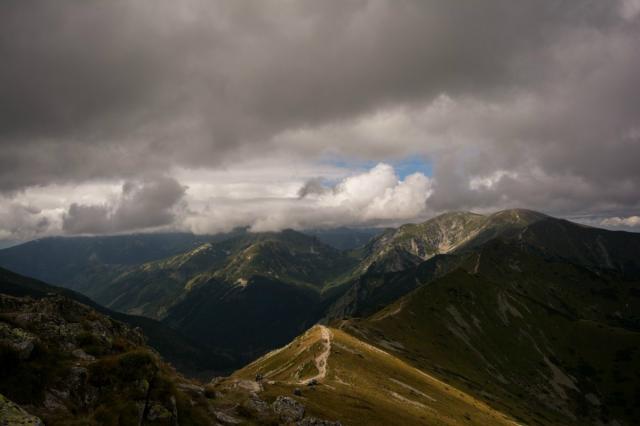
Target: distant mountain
(151, 288)
(79, 262)
(241, 296)
(270, 288)
(404, 259)
(289, 257)
(409, 245)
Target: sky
(157, 115)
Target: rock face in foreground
(12, 414)
(61, 360)
(63, 363)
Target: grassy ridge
(367, 386)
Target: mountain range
(510, 318)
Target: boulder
(18, 340)
(288, 409)
(12, 414)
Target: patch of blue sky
(411, 165)
(403, 167)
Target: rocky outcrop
(17, 340)
(61, 359)
(13, 415)
(288, 409)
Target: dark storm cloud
(145, 84)
(313, 186)
(544, 94)
(141, 205)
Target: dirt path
(322, 359)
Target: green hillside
(401, 269)
(341, 377)
(541, 339)
(153, 288)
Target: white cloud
(631, 221)
(377, 196)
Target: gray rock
(82, 355)
(19, 340)
(248, 385)
(288, 409)
(227, 418)
(79, 388)
(12, 414)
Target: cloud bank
(531, 103)
(377, 196)
(149, 204)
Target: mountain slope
(80, 263)
(346, 379)
(544, 340)
(408, 245)
(186, 354)
(246, 320)
(153, 288)
(411, 244)
(400, 268)
(288, 256)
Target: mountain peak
(518, 216)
